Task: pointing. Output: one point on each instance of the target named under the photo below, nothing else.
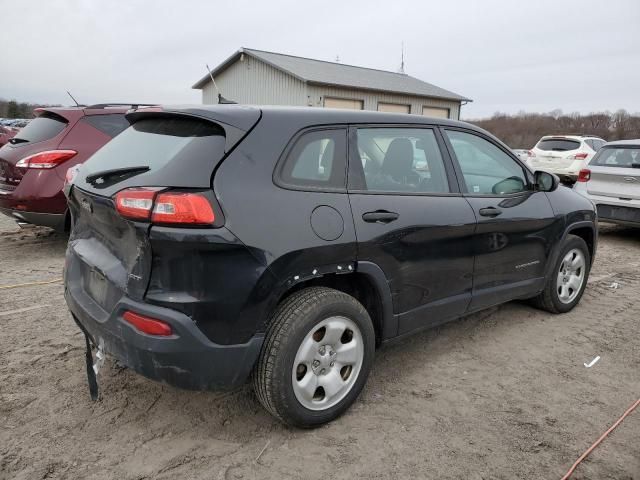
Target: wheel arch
(367, 284)
(586, 230)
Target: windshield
(558, 144)
(624, 157)
(42, 128)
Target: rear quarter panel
(273, 222)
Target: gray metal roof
(320, 72)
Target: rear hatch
(43, 133)
(109, 255)
(615, 172)
(556, 152)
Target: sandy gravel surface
(501, 394)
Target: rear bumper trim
(619, 214)
(51, 220)
(187, 359)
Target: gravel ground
(500, 394)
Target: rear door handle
(490, 212)
(380, 216)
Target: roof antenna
(337, 58)
(402, 60)
(76, 102)
(221, 99)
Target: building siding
(252, 81)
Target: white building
(266, 78)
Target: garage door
(347, 103)
(435, 112)
(393, 107)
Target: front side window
(317, 159)
(486, 169)
(401, 160)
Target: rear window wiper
(16, 140)
(115, 172)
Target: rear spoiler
(232, 133)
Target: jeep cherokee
(215, 244)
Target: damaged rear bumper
(186, 359)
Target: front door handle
(380, 216)
(490, 212)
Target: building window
(436, 112)
(345, 103)
(393, 107)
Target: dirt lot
(501, 394)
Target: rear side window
(617, 157)
(558, 145)
(317, 160)
(111, 124)
(42, 128)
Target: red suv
(34, 162)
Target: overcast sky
(505, 55)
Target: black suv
(214, 244)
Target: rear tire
(316, 357)
(566, 283)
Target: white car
(611, 181)
(521, 153)
(564, 155)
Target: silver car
(611, 180)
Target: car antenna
(76, 102)
(221, 99)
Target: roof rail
(98, 106)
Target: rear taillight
(150, 326)
(188, 208)
(584, 175)
(579, 156)
(136, 203)
(531, 153)
(48, 159)
(146, 203)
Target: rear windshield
(628, 157)
(41, 128)
(178, 151)
(558, 144)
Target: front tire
(316, 358)
(566, 284)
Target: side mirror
(545, 181)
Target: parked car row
(564, 155)
(14, 122)
(35, 160)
